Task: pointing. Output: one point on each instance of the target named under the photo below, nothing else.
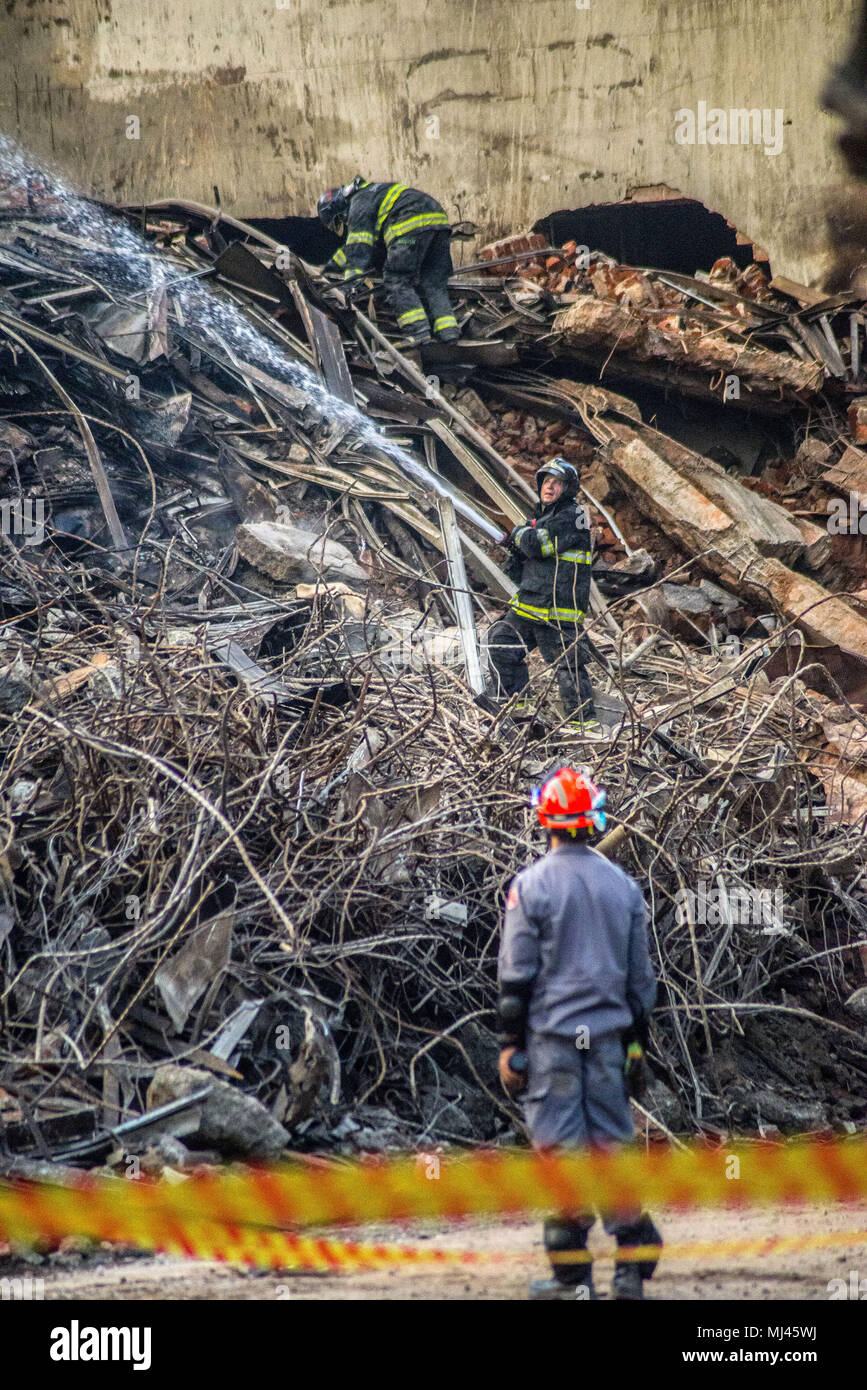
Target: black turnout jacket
(550, 563)
(379, 214)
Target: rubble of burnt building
(259, 805)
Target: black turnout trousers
(415, 277)
(510, 641)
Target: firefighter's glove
(513, 1081)
(635, 1070)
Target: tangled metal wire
(361, 840)
(243, 838)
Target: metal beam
(458, 582)
(430, 392)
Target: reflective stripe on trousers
(415, 277)
(546, 615)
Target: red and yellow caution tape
(279, 1250)
(243, 1207)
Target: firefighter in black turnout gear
(406, 234)
(550, 563)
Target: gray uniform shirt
(576, 927)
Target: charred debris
(257, 826)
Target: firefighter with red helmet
(406, 233)
(576, 990)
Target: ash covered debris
(258, 824)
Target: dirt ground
(801, 1275)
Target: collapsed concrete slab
(231, 1121)
(721, 545)
(599, 330)
(289, 554)
(772, 530)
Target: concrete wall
(539, 104)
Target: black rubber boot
(627, 1286)
(555, 1291)
(413, 340)
(642, 1232)
(570, 1279)
(650, 1235)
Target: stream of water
(137, 268)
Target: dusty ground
(802, 1275)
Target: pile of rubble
(260, 816)
(778, 341)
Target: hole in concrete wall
(656, 227)
(306, 236)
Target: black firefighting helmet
(559, 468)
(333, 205)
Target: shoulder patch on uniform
(513, 899)
(581, 515)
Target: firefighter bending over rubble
(405, 232)
(550, 563)
(576, 991)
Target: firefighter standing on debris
(550, 562)
(407, 233)
(576, 991)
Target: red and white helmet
(570, 801)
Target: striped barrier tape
(485, 1183)
(280, 1250)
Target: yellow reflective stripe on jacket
(421, 222)
(546, 615)
(339, 257)
(389, 201)
(548, 547)
(351, 274)
(366, 237)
